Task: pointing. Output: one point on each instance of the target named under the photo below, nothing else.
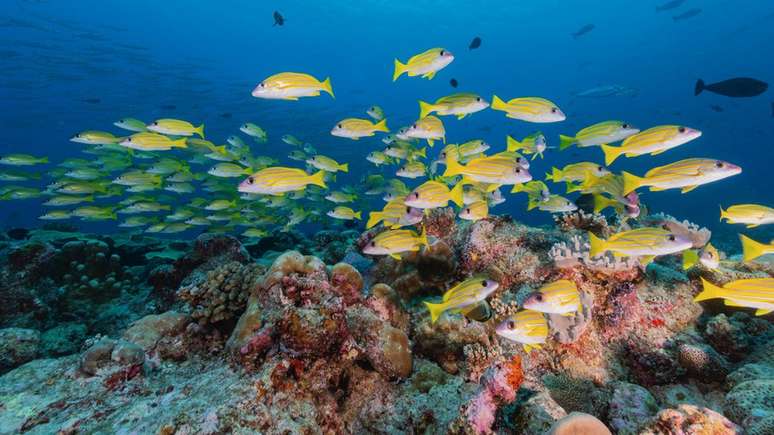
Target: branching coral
(576, 253)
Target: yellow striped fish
(175, 127)
(497, 169)
(535, 190)
(424, 64)
(395, 214)
(577, 172)
(344, 213)
(429, 128)
(686, 174)
(599, 134)
(433, 194)
(355, 128)
(325, 163)
(94, 137)
(708, 257)
(559, 297)
(652, 141)
(530, 109)
(750, 214)
(148, 141)
(755, 293)
(527, 327)
(291, 86)
(553, 204)
(278, 180)
(752, 249)
(644, 242)
(469, 292)
(475, 211)
(470, 148)
(394, 242)
(533, 144)
(460, 105)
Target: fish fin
(399, 69)
(566, 142)
(687, 189)
(430, 142)
(395, 256)
(180, 143)
(358, 215)
(647, 259)
(498, 104)
(326, 86)
(750, 248)
(602, 202)
(632, 182)
(690, 258)
(555, 175)
(722, 214)
(655, 153)
(344, 167)
(517, 188)
(453, 167)
(699, 87)
(429, 75)
(422, 152)
(512, 144)
(291, 98)
(709, 291)
(531, 204)
(423, 237)
(456, 194)
(382, 126)
(657, 189)
(425, 109)
(762, 311)
(730, 303)
(462, 115)
(611, 153)
(318, 179)
(435, 310)
(573, 187)
(597, 245)
(491, 187)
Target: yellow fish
(355, 128)
(527, 327)
(432, 194)
(147, 141)
(752, 249)
(395, 214)
(642, 242)
(497, 170)
(530, 109)
(394, 242)
(750, 214)
(327, 164)
(175, 127)
(93, 137)
(278, 180)
(291, 86)
(559, 297)
(652, 141)
(686, 174)
(577, 172)
(424, 64)
(599, 134)
(460, 105)
(533, 144)
(709, 257)
(465, 294)
(475, 211)
(429, 128)
(755, 293)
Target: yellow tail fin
(555, 175)
(425, 109)
(374, 218)
(180, 143)
(566, 141)
(200, 131)
(498, 104)
(631, 182)
(453, 167)
(435, 311)
(326, 86)
(399, 69)
(602, 202)
(710, 291)
(344, 167)
(358, 215)
(382, 126)
(690, 258)
(512, 144)
(423, 237)
(597, 245)
(611, 153)
(723, 214)
(751, 249)
(318, 179)
(422, 152)
(456, 194)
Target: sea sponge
(579, 423)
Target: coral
(630, 407)
(576, 253)
(537, 414)
(577, 395)
(17, 346)
(750, 402)
(651, 366)
(702, 362)
(579, 423)
(689, 420)
(309, 332)
(567, 329)
(63, 339)
(580, 220)
(698, 235)
(444, 341)
(478, 358)
(96, 356)
(728, 335)
(149, 331)
(384, 301)
(386, 348)
(348, 282)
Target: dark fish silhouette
(226, 115)
(169, 107)
(716, 108)
(670, 5)
(92, 100)
(583, 30)
(475, 43)
(736, 87)
(453, 83)
(687, 14)
(279, 20)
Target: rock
(97, 356)
(147, 331)
(750, 401)
(127, 353)
(689, 420)
(386, 303)
(248, 324)
(348, 282)
(17, 346)
(387, 348)
(63, 339)
(310, 332)
(538, 414)
(578, 423)
(630, 407)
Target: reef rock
(17, 346)
(689, 420)
(148, 331)
(578, 423)
(387, 348)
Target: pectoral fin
(646, 260)
(395, 256)
(429, 75)
(762, 311)
(655, 153)
(687, 189)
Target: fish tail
(200, 131)
(573, 188)
(611, 153)
(43, 160)
(710, 291)
(512, 144)
(425, 109)
(453, 167)
(344, 167)
(435, 310)
(498, 104)
(456, 194)
(423, 237)
(597, 245)
(374, 218)
(556, 174)
(358, 215)
(382, 126)
(699, 87)
(517, 188)
(532, 203)
(326, 86)
(422, 152)
(723, 214)
(318, 179)
(631, 182)
(602, 202)
(690, 258)
(750, 248)
(566, 142)
(180, 143)
(399, 69)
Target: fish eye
(478, 99)
(416, 195)
(129, 139)
(624, 125)
(373, 244)
(408, 209)
(567, 202)
(338, 125)
(414, 126)
(467, 210)
(681, 129)
(250, 180)
(671, 237)
(483, 283)
(719, 164)
(709, 254)
(554, 109)
(600, 168)
(511, 324)
(443, 52)
(518, 170)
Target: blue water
(205, 58)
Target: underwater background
(106, 329)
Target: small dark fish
(716, 108)
(479, 312)
(279, 20)
(226, 115)
(687, 14)
(453, 83)
(670, 5)
(18, 233)
(475, 43)
(169, 107)
(585, 202)
(736, 87)
(92, 100)
(583, 30)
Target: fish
(601, 133)
(291, 86)
(686, 175)
(19, 192)
(559, 297)
(453, 83)
(254, 233)
(673, 4)
(94, 213)
(412, 170)
(752, 249)
(475, 211)
(429, 128)
(425, 64)
(175, 127)
(378, 158)
(344, 213)
(459, 105)
(471, 147)
(708, 257)
(254, 131)
(739, 87)
(327, 164)
(340, 197)
(530, 109)
(752, 215)
(553, 204)
(375, 112)
(755, 293)
(93, 137)
(55, 215)
(533, 144)
(527, 327)
(395, 242)
(614, 90)
(469, 292)
(395, 214)
(148, 141)
(535, 190)
(583, 30)
(279, 20)
(12, 175)
(653, 141)
(220, 204)
(22, 160)
(475, 43)
(355, 128)
(278, 180)
(497, 170)
(479, 312)
(690, 13)
(577, 172)
(298, 156)
(291, 140)
(643, 242)
(433, 194)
